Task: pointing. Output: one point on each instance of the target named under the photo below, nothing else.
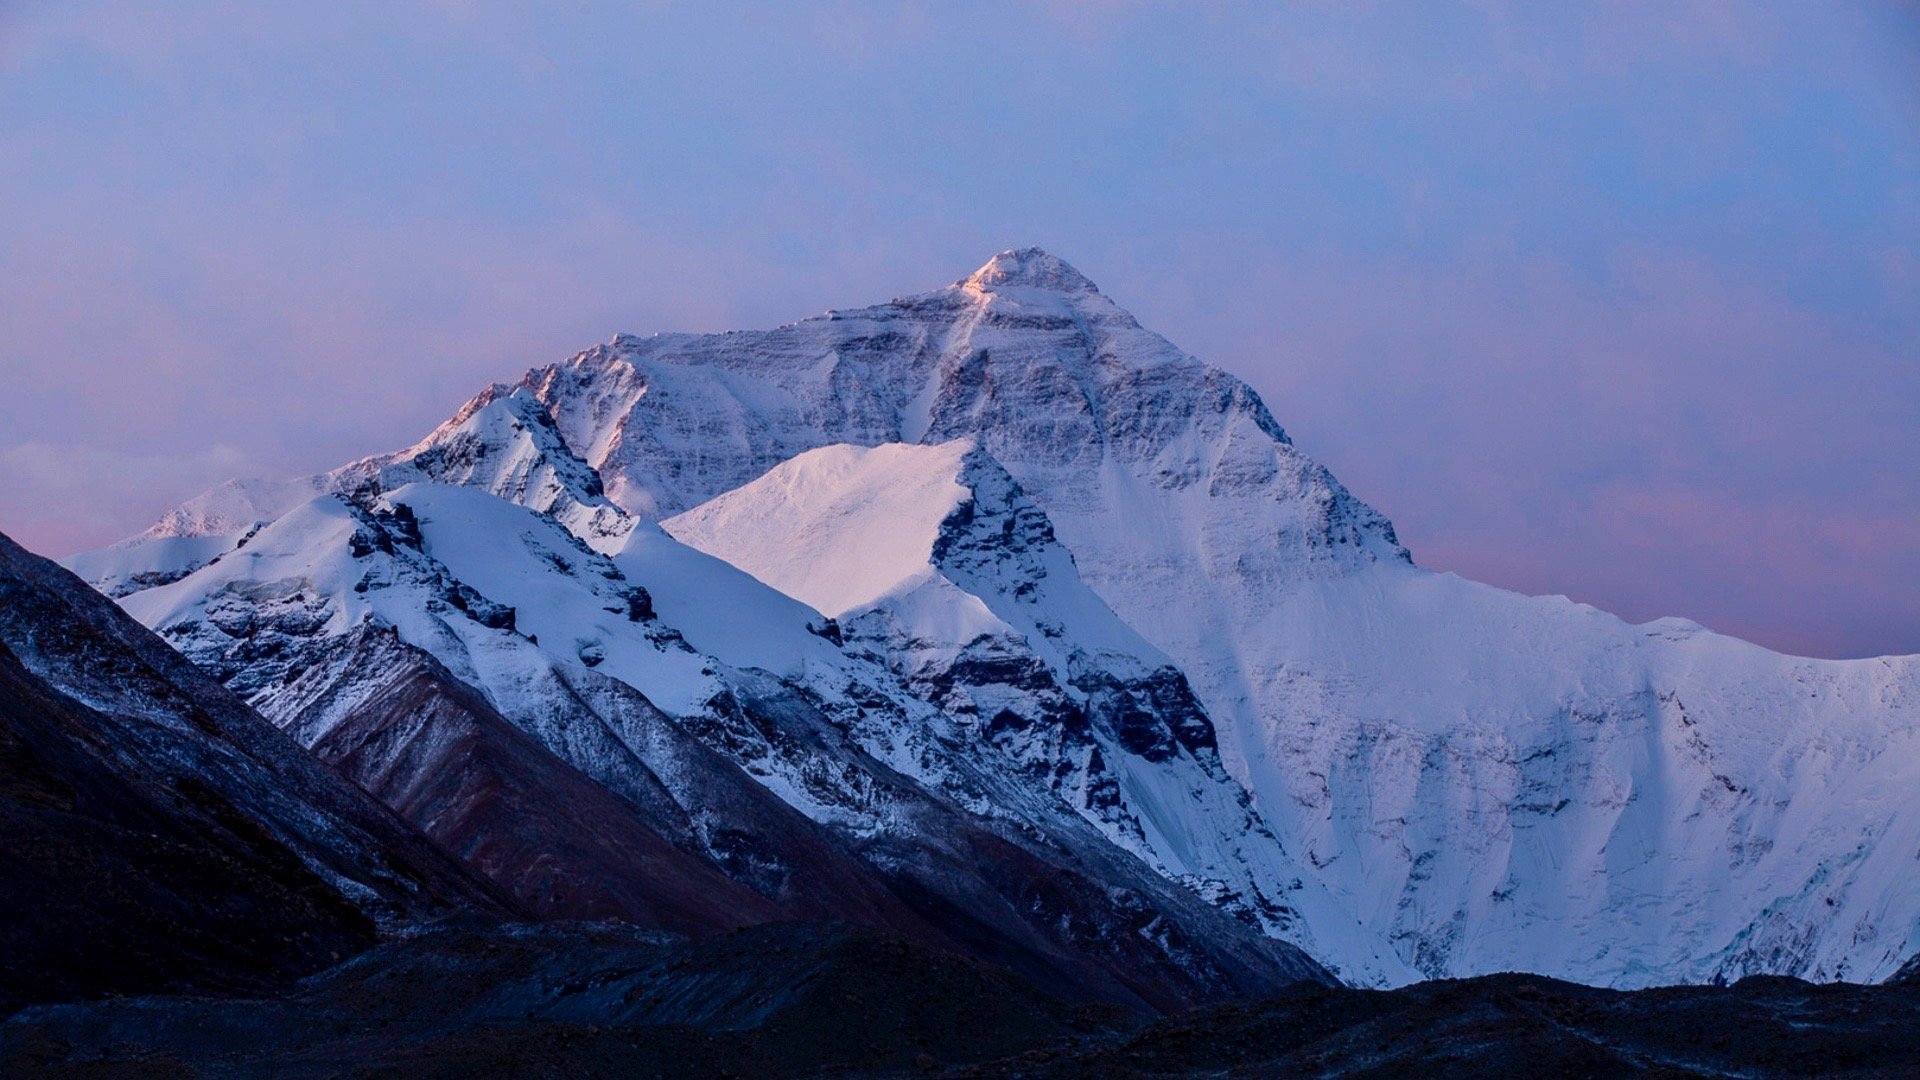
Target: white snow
(1408, 735)
(837, 528)
(234, 506)
(501, 441)
(149, 557)
(721, 610)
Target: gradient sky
(1621, 302)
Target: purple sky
(1622, 303)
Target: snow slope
(142, 562)
(838, 528)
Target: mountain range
(989, 618)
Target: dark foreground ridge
(811, 1000)
(1519, 1026)
(579, 999)
(157, 835)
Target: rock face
(155, 833)
(393, 720)
(1462, 779)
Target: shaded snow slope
(145, 561)
(728, 614)
(1528, 783)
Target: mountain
(418, 634)
(933, 561)
(155, 833)
(1475, 781)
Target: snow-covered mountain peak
(1064, 388)
(231, 507)
(837, 528)
(500, 399)
(499, 430)
(934, 562)
(1029, 267)
(502, 440)
(941, 534)
(505, 441)
(1081, 548)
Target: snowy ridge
(501, 441)
(504, 442)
